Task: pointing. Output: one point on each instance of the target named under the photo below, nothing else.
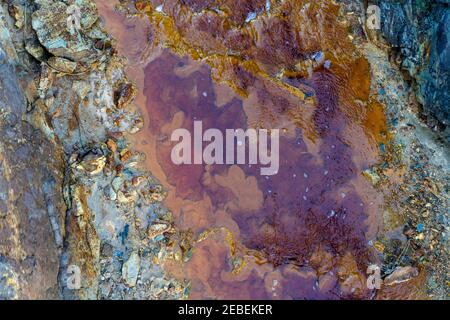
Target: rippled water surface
(304, 232)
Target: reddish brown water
(302, 233)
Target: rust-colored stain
(409, 290)
(300, 234)
(375, 122)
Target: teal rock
(53, 28)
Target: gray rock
(9, 283)
(130, 269)
(420, 31)
(30, 180)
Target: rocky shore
(74, 201)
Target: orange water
(304, 232)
